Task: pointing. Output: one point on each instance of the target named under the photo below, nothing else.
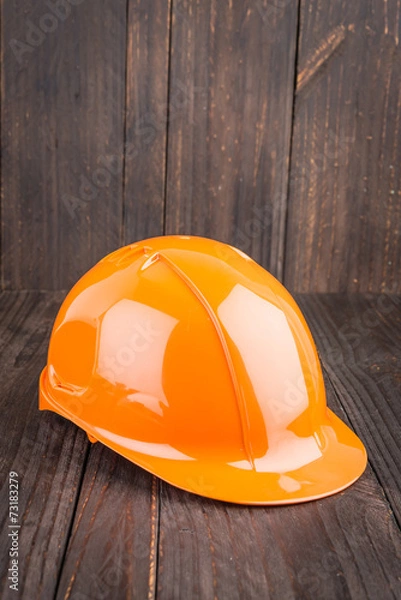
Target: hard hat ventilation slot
(125, 255)
(150, 261)
(61, 385)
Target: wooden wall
(270, 124)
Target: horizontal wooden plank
(344, 546)
(113, 545)
(347, 546)
(46, 451)
(359, 339)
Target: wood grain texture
(62, 126)
(104, 528)
(345, 546)
(146, 118)
(45, 450)
(359, 339)
(344, 212)
(113, 545)
(231, 91)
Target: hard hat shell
(188, 358)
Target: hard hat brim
(341, 462)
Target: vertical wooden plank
(63, 83)
(1, 153)
(344, 214)
(146, 125)
(230, 111)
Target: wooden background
(270, 124)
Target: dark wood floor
(94, 526)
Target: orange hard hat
(188, 358)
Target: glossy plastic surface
(189, 359)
